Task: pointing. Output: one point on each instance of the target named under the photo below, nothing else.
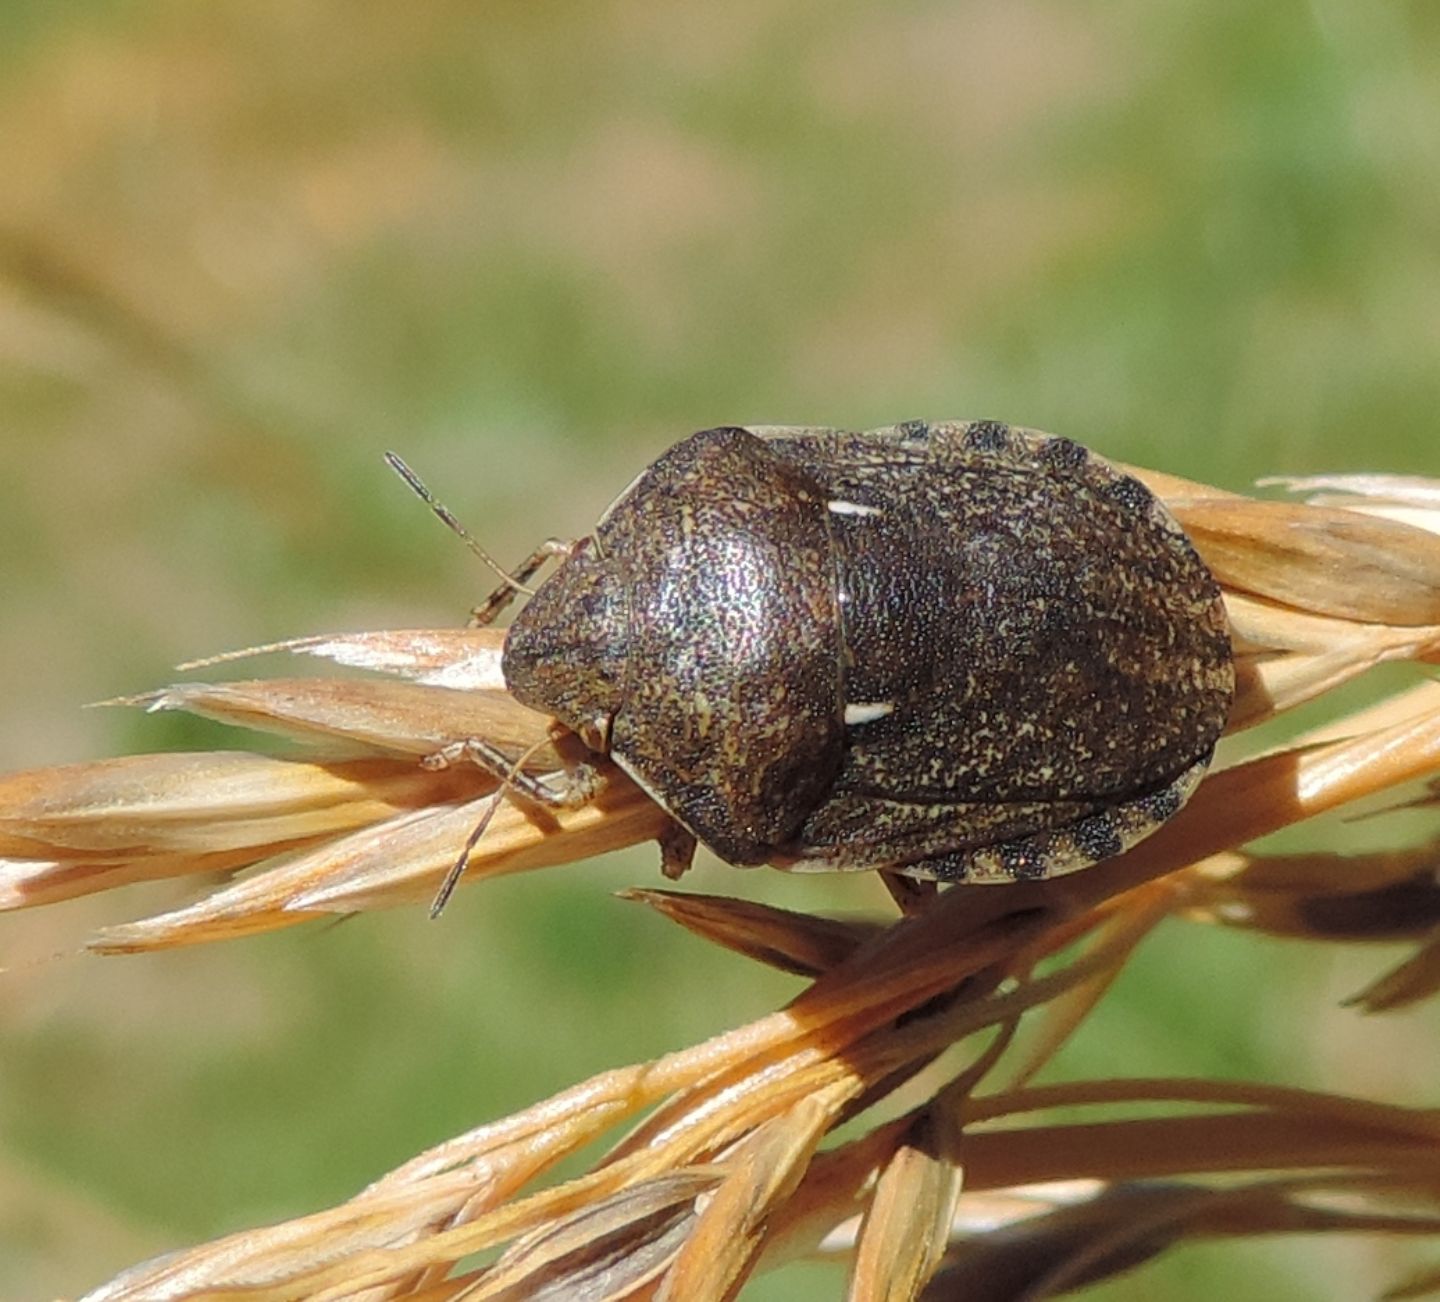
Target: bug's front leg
(580, 785)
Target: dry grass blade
(1012, 1248)
(1189, 1145)
(1386, 896)
(1409, 499)
(780, 1069)
(1114, 938)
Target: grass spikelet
(887, 1116)
(906, 1227)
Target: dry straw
(722, 1159)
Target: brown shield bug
(962, 651)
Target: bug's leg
(581, 784)
(677, 850)
(486, 612)
(578, 788)
(462, 860)
(911, 894)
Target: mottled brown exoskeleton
(963, 651)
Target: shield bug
(961, 651)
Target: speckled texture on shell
(1034, 661)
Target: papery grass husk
(723, 1157)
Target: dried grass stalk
(729, 1172)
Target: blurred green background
(244, 247)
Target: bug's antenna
(417, 485)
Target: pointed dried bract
(467, 659)
(793, 942)
(1416, 979)
(1324, 560)
(1386, 896)
(368, 715)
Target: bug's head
(565, 653)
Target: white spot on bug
(867, 712)
(841, 507)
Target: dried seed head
(735, 1166)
